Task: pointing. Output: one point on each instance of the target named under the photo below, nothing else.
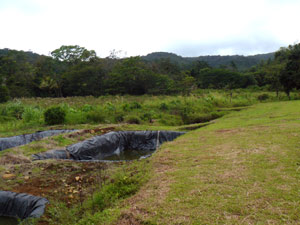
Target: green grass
(27, 114)
(242, 169)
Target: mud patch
(67, 182)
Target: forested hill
(20, 55)
(216, 61)
(242, 62)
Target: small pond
(120, 145)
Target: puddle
(10, 142)
(8, 220)
(113, 146)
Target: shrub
(163, 106)
(133, 120)
(15, 110)
(54, 115)
(147, 117)
(126, 107)
(76, 118)
(119, 117)
(31, 114)
(95, 117)
(263, 97)
(87, 108)
(135, 105)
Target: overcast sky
(139, 27)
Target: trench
(10, 142)
(113, 146)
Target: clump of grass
(95, 117)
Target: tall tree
(290, 75)
(73, 54)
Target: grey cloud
(248, 46)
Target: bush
(135, 105)
(54, 115)
(263, 97)
(76, 118)
(95, 117)
(31, 114)
(147, 117)
(15, 110)
(87, 108)
(133, 120)
(163, 106)
(119, 117)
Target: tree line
(76, 71)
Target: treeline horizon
(75, 71)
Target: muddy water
(8, 220)
(130, 155)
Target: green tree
(290, 75)
(129, 76)
(49, 76)
(73, 54)
(4, 94)
(85, 78)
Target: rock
(9, 176)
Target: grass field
(243, 168)
(27, 115)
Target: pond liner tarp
(110, 144)
(10, 142)
(21, 205)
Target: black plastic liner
(20, 205)
(10, 142)
(112, 145)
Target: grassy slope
(243, 169)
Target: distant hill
(29, 56)
(242, 62)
